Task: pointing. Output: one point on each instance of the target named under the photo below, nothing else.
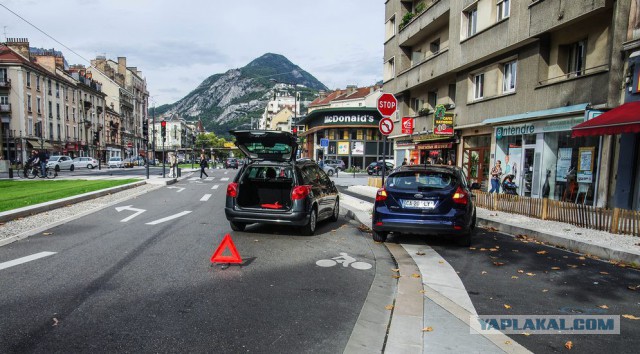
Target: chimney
(20, 45)
(122, 65)
(351, 89)
(322, 94)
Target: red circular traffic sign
(385, 126)
(387, 104)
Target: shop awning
(623, 119)
(37, 144)
(561, 111)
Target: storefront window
(570, 167)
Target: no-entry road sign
(385, 126)
(387, 104)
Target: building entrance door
(475, 165)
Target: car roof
(431, 168)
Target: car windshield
(421, 180)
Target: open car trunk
(266, 187)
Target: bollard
(179, 172)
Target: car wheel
(90, 166)
(378, 173)
(237, 226)
(369, 173)
(330, 173)
(310, 228)
(57, 168)
(336, 211)
(379, 236)
(71, 168)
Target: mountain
(230, 100)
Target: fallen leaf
(420, 253)
(47, 233)
(427, 329)
(530, 274)
(631, 317)
(604, 273)
(256, 240)
(396, 276)
(568, 345)
(498, 264)
(514, 277)
(423, 291)
(572, 266)
(441, 262)
(541, 252)
(507, 342)
(544, 290)
(581, 258)
(388, 307)
(633, 288)
(414, 275)
(483, 249)
(555, 268)
(520, 271)
(491, 228)
(472, 248)
(493, 249)
(55, 322)
(483, 272)
(395, 270)
(603, 307)
(526, 334)
(507, 306)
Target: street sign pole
(384, 158)
(387, 106)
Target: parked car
(128, 163)
(274, 188)
(375, 168)
(337, 164)
(85, 162)
(425, 200)
(231, 162)
(60, 162)
(115, 162)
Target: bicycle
(34, 171)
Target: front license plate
(420, 204)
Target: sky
(179, 43)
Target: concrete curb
(605, 253)
(54, 204)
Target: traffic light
(294, 130)
(163, 130)
(145, 129)
(96, 138)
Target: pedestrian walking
(43, 158)
(496, 172)
(174, 165)
(203, 165)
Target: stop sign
(387, 104)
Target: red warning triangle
(226, 243)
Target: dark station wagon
(274, 188)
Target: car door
(65, 162)
(327, 198)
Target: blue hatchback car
(425, 200)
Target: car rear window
(421, 180)
(269, 172)
(276, 149)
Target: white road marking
(175, 216)
(130, 207)
(205, 197)
(224, 179)
(193, 178)
(215, 186)
(209, 178)
(26, 259)
(226, 172)
(180, 189)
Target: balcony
(549, 15)
(5, 108)
(586, 87)
(5, 84)
(433, 17)
(87, 105)
(429, 69)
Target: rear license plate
(420, 204)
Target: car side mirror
(475, 186)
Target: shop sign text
(356, 118)
(509, 130)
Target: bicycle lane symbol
(345, 260)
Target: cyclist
(43, 158)
(31, 162)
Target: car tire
(379, 236)
(310, 228)
(71, 168)
(237, 226)
(90, 166)
(330, 173)
(336, 211)
(369, 173)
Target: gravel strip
(65, 214)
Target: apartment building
(490, 80)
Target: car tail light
(232, 190)
(300, 192)
(381, 195)
(460, 197)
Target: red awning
(623, 119)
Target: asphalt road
(146, 284)
(534, 279)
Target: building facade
(510, 79)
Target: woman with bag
(203, 164)
(496, 172)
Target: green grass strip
(21, 193)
